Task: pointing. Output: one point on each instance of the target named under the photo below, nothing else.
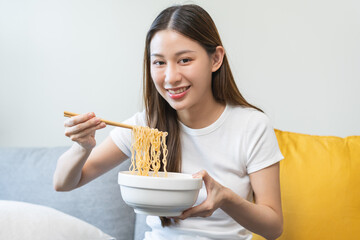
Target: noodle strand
(146, 147)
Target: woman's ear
(217, 58)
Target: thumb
(199, 174)
(204, 175)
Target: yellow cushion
(320, 186)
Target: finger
(199, 174)
(206, 178)
(202, 210)
(82, 126)
(186, 214)
(89, 131)
(78, 119)
(208, 181)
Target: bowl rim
(185, 182)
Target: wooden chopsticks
(117, 124)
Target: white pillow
(20, 220)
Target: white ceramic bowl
(160, 196)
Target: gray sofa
(26, 176)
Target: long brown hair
(195, 23)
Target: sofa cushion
(320, 181)
(20, 220)
(26, 175)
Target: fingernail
(90, 114)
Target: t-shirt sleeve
(122, 136)
(262, 146)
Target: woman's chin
(177, 106)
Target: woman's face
(181, 70)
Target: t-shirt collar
(206, 130)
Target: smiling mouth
(178, 90)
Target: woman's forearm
(69, 166)
(257, 218)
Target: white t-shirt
(241, 141)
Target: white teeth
(180, 90)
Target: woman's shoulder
(250, 117)
(245, 111)
(139, 119)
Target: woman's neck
(201, 116)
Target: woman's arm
(82, 162)
(264, 217)
(78, 166)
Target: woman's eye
(185, 60)
(158, 63)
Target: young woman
(189, 91)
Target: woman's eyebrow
(177, 54)
(183, 51)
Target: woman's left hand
(215, 198)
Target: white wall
(298, 60)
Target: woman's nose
(172, 75)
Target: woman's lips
(177, 93)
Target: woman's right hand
(81, 129)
